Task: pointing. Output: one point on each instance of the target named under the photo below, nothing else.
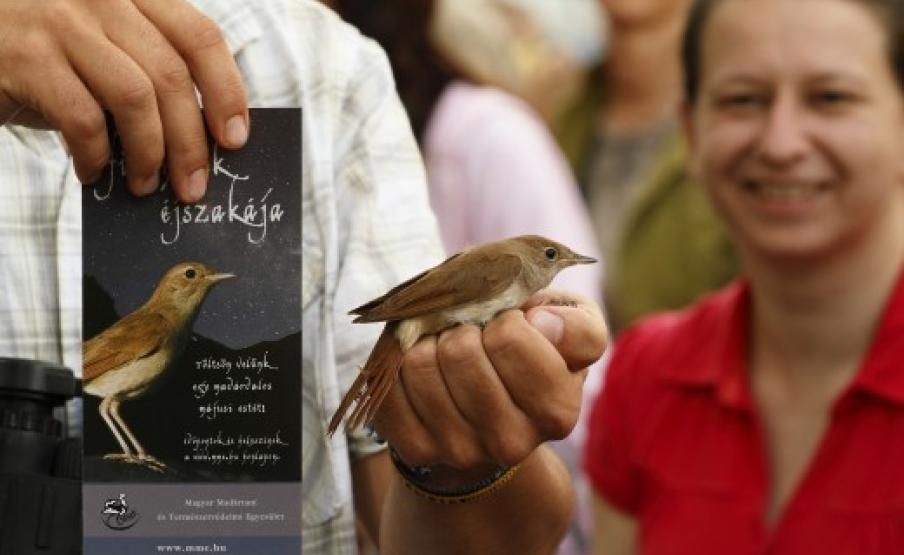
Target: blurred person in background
(366, 226)
(578, 28)
(536, 50)
(767, 418)
(660, 238)
(493, 168)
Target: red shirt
(674, 440)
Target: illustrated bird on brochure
(131, 356)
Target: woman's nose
(783, 138)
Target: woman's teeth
(782, 191)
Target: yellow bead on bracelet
(410, 476)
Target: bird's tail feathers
(373, 382)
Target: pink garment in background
(494, 171)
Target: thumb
(551, 325)
(578, 334)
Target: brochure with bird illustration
(191, 354)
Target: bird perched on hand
(125, 360)
(470, 287)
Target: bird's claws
(144, 460)
(152, 463)
(557, 301)
(124, 457)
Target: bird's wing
(371, 305)
(136, 336)
(490, 275)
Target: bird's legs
(142, 454)
(105, 408)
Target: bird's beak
(581, 259)
(219, 277)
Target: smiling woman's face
(798, 128)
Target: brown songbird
(470, 287)
(125, 360)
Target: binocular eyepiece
(29, 431)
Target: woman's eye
(740, 100)
(832, 97)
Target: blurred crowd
(559, 118)
(715, 156)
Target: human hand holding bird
(472, 399)
(470, 396)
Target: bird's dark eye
(190, 273)
(551, 253)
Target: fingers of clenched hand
(470, 397)
(506, 434)
(424, 385)
(534, 373)
(450, 406)
(70, 59)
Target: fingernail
(197, 184)
(236, 131)
(550, 325)
(149, 185)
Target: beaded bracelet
(415, 477)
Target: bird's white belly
(481, 313)
(129, 379)
(412, 329)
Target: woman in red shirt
(769, 417)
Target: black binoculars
(40, 467)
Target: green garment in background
(574, 127)
(673, 247)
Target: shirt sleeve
(609, 456)
(366, 222)
(387, 232)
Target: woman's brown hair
(889, 13)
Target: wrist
(445, 477)
(445, 484)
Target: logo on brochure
(117, 515)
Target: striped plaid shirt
(366, 224)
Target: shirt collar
(718, 357)
(882, 373)
(715, 357)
